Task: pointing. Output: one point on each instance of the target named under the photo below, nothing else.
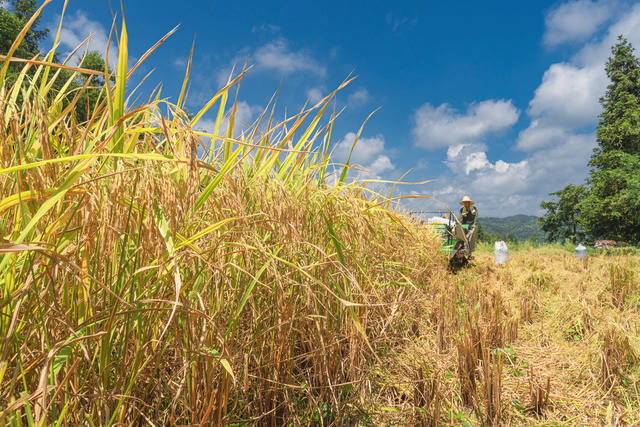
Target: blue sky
(497, 100)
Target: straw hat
(466, 199)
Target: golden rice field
(155, 274)
(546, 339)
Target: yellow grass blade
(182, 97)
(50, 55)
(121, 84)
(343, 175)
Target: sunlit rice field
(155, 273)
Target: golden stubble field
(545, 340)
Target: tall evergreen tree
(612, 208)
(619, 127)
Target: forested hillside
(519, 226)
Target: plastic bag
(501, 252)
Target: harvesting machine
(458, 240)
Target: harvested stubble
(492, 376)
(584, 375)
(146, 278)
(539, 394)
(622, 284)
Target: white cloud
(476, 161)
(560, 138)
(567, 100)
(444, 126)
(365, 151)
(179, 62)
(277, 56)
(273, 57)
(77, 27)
(578, 20)
(538, 136)
(503, 188)
(246, 114)
(380, 165)
(368, 154)
(454, 151)
(596, 52)
(563, 163)
(497, 187)
(359, 97)
(206, 125)
(471, 160)
(315, 94)
(568, 95)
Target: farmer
(468, 212)
(469, 215)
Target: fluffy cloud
(576, 21)
(444, 126)
(277, 56)
(560, 164)
(595, 52)
(538, 136)
(499, 188)
(359, 97)
(368, 154)
(315, 94)
(568, 95)
(566, 102)
(274, 57)
(469, 162)
(504, 188)
(77, 27)
(557, 144)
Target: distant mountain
(521, 226)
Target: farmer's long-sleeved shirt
(468, 216)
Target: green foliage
(11, 23)
(619, 127)
(609, 206)
(561, 220)
(612, 208)
(511, 228)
